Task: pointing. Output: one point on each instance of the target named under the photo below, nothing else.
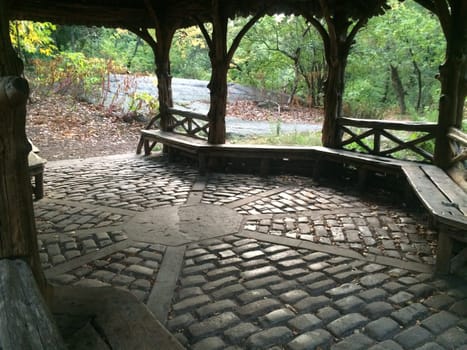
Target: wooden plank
(357, 138)
(448, 187)
(460, 157)
(117, 314)
(411, 145)
(424, 189)
(459, 260)
(387, 124)
(444, 252)
(87, 338)
(188, 114)
(367, 159)
(457, 135)
(25, 321)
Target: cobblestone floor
(308, 266)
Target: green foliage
(289, 139)
(189, 55)
(32, 39)
(72, 73)
(144, 101)
(119, 45)
(282, 53)
(406, 37)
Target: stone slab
(174, 226)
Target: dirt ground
(63, 128)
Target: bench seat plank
(444, 183)
(25, 321)
(368, 160)
(445, 201)
(433, 198)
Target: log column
(218, 82)
(18, 236)
(161, 45)
(221, 56)
(338, 37)
(453, 77)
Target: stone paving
(242, 262)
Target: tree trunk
(398, 88)
(18, 236)
(296, 80)
(135, 51)
(418, 73)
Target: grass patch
(307, 138)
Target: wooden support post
(18, 237)
(453, 75)
(220, 57)
(171, 153)
(444, 252)
(202, 163)
(362, 178)
(264, 167)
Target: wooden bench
(446, 201)
(363, 162)
(36, 170)
(25, 321)
(203, 151)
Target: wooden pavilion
(337, 21)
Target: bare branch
(205, 33)
(144, 34)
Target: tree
(407, 38)
(32, 38)
(189, 54)
(282, 49)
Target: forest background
(391, 71)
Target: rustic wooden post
(220, 58)
(343, 22)
(164, 78)
(337, 43)
(161, 48)
(453, 74)
(339, 48)
(218, 82)
(18, 236)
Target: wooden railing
(458, 143)
(397, 139)
(188, 123)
